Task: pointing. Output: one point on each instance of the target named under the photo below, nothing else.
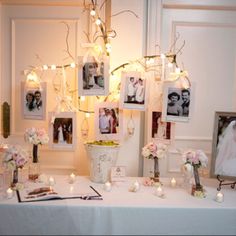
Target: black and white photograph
(108, 120)
(161, 130)
(62, 130)
(34, 101)
(93, 77)
(133, 91)
(176, 103)
(224, 145)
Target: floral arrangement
(15, 157)
(153, 150)
(194, 158)
(36, 136)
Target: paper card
(117, 173)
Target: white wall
(209, 58)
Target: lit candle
(173, 182)
(71, 189)
(107, 186)
(9, 193)
(72, 178)
(159, 191)
(136, 185)
(219, 197)
(51, 181)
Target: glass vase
(156, 177)
(197, 187)
(34, 167)
(15, 177)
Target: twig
(67, 36)
(121, 12)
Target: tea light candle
(51, 181)
(159, 191)
(173, 182)
(219, 197)
(9, 193)
(107, 186)
(136, 185)
(72, 178)
(71, 189)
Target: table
(123, 212)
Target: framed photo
(224, 145)
(62, 131)
(176, 103)
(161, 130)
(93, 77)
(33, 101)
(133, 91)
(108, 121)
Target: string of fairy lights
(147, 63)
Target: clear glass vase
(34, 167)
(14, 177)
(156, 177)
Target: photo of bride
(62, 131)
(225, 146)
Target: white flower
(188, 167)
(152, 150)
(203, 158)
(146, 152)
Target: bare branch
(121, 12)
(102, 5)
(179, 51)
(174, 43)
(67, 36)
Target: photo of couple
(63, 131)
(33, 101)
(135, 91)
(108, 120)
(178, 102)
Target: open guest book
(48, 193)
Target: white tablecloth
(123, 212)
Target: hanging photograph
(33, 101)
(63, 131)
(108, 121)
(161, 130)
(93, 77)
(133, 91)
(176, 103)
(224, 145)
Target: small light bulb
(72, 65)
(98, 21)
(177, 70)
(151, 60)
(45, 67)
(170, 65)
(53, 67)
(92, 12)
(82, 98)
(87, 115)
(108, 49)
(163, 56)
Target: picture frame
(62, 130)
(177, 103)
(161, 130)
(93, 77)
(224, 145)
(33, 101)
(108, 121)
(134, 90)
